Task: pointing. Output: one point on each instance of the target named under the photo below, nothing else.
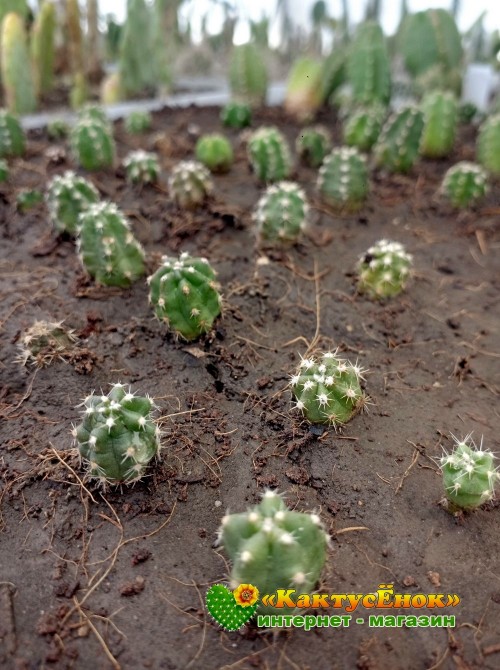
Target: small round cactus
(362, 127)
(236, 115)
(142, 167)
(12, 140)
(467, 112)
(190, 183)
(45, 342)
(343, 179)
(138, 122)
(94, 112)
(281, 213)
(469, 475)
(384, 270)
(107, 248)
(269, 154)
(327, 389)
(398, 144)
(185, 295)
(215, 152)
(273, 547)
(92, 143)
(488, 145)
(28, 198)
(69, 195)
(440, 124)
(465, 183)
(4, 170)
(312, 145)
(57, 129)
(118, 436)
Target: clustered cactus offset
(69, 195)
(488, 145)
(281, 213)
(465, 183)
(343, 179)
(236, 115)
(12, 140)
(312, 145)
(44, 342)
(215, 152)
(190, 184)
(398, 144)
(142, 167)
(269, 154)
(440, 110)
(384, 270)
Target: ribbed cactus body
(281, 213)
(488, 145)
(248, 75)
(343, 179)
(363, 125)
(269, 154)
(92, 143)
(383, 271)
(69, 195)
(137, 64)
(142, 167)
(17, 77)
(190, 184)
(368, 65)
(236, 115)
(313, 144)
(465, 183)
(327, 389)
(398, 144)
(138, 122)
(108, 250)
(215, 152)
(118, 436)
(333, 73)
(304, 94)
(185, 295)
(43, 48)
(273, 547)
(440, 110)
(12, 138)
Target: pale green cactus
(269, 154)
(398, 144)
(465, 183)
(248, 75)
(17, 77)
(343, 179)
(142, 167)
(313, 144)
(440, 110)
(190, 184)
(69, 195)
(281, 213)
(215, 152)
(304, 94)
(488, 145)
(383, 271)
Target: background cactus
(44, 342)
(142, 167)
(28, 198)
(312, 145)
(383, 270)
(248, 75)
(17, 78)
(465, 183)
(273, 547)
(368, 65)
(304, 94)
(269, 154)
(92, 143)
(43, 48)
(397, 147)
(118, 436)
(333, 73)
(185, 295)
(57, 129)
(343, 179)
(190, 184)
(440, 110)
(107, 248)
(215, 152)
(281, 213)
(137, 62)
(69, 195)
(488, 145)
(138, 122)
(327, 389)
(4, 170)
(236, 115)
(363, 125)
(12, 139)
(469, 475)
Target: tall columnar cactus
(273, 547)
(185, 295)
(327, 389)
(398, 144)
(269, 154)
(137, 57)
(74, 38)
(333, 72)
(215, 152)
(43, 48)
(469, 475)
(236, 115)
(142, 167)
(304, 94)
(313, 144)
(368, 65)
(248, 75)
(190, 184)
(440, 110)
(118, 436)
(363, 125)
(488, 145)
(107, 248)
(93, 144)
(17, 77)
(111, 90)
(138, 122)
(44, 342)
(57, 129)
(69, 195)
(12, 139)
(465, 183)
(384, 270)
(281, 213)
(343, 179)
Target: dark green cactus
(142, 167)
(269, 154)
(28, 198)
(44, 342)
(4, 170)
(281, 213)
(273, 547)
(334, 73)
(138, 122)
(327, 389)
(190, 184)
(313, 144)
(384, 270)
(69, 195)
(363, 125)
(236, 115)
(215, 152)
(398, 144)
(107, 248)
(368, 65)
(92, 143)
(12, 139)
(488, 145)
(467, 112)
(440, 110)
(465, 183)
(17, 77)
(118, 436)
(248, 75)
(185, 295)
(343, 179)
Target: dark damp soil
(117, 580)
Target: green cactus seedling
(107, 248)
(269, 154)
(469, 475)
(384, 270)
(272, 547)
(118, 436)
(343, 179)
(363, 125)
(44, 342)
(488, 145)
(138, 122)
(467, 112)
(248, 75)
(236, 115)
(57, 129)
(28, 198)
(440, 124)
(313, 144)
(215, 152)
(69, 195)
(190, 184)
(281, 213)
(185, 295)
(12, 139)
(465, 183)
(142, 167)
(398, 145)
(92, 143)
(4, 170)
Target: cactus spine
(12, 140)
(384, 270)
(248, 75)
(440, 110)
(269, 154)
(281, 213)
(215, 152)
(343, 179)
(362, 127)
(312, 145)
(42, 47)
(236, 115)
(142, 167)
(368, 65)
(465, 183)
(68, 196)
(398, 144)
(190, 184)
(19, 90)
(488, 145)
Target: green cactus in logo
(225, 610)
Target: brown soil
(118, 580)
